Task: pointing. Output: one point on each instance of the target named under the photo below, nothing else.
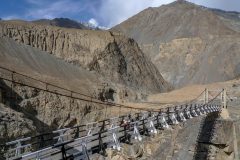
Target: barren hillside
(189, 44)
(39, 64)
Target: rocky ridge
(113, 56)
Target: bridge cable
(82, 99)
(11, 95)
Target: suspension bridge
(82, 141)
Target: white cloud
(113, 12)
(11, 17)
(93, 22)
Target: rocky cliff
(187, 43)
(113, 56)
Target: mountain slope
(113, 56)
(36, 63)
(176, 20)
(186, 42)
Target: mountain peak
(182, 2)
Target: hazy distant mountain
(188, 43)
(61, 22)
(230, 18)
(68, 23)
(227, 14)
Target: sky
(105, 13)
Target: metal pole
(206, 96)
(1, 96)
(221, 98)
(44, 107)
(224, 98)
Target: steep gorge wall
(113, 56)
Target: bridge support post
(163, 121)
(206, 96)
